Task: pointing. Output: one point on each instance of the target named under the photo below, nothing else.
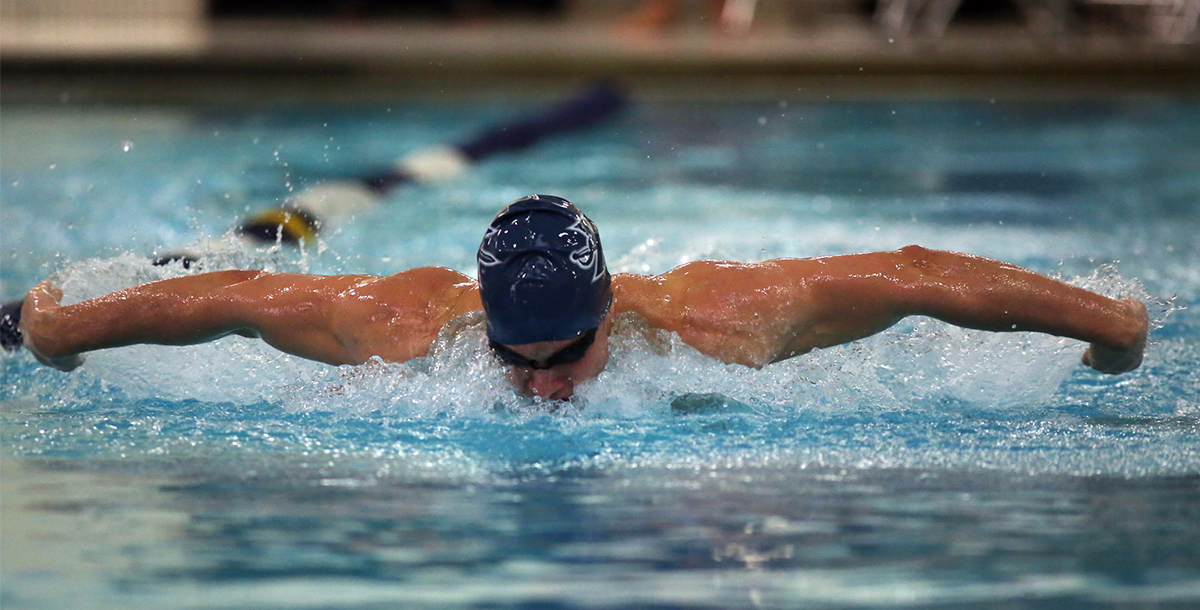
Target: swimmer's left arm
(850, 297)
(754, 314)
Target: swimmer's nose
(549, 384)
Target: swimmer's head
(542, 275)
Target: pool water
(926, 466)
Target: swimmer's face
(548, 374)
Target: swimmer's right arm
(283, 309)
(39, 310)
(297, 314)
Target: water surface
(927, 466)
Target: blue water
(926, 467)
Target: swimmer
(549, 302)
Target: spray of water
(908, 397)
(919, 362)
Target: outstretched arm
(283, 309)
(755, 314)
(974, 292)
(333, 319)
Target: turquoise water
(925, 467)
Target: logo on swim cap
(542, 275)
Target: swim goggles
(571, 353)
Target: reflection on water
(768, 537)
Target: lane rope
(300, 218)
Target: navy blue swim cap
(542, 275)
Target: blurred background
(264, 49)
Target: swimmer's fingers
(1114, 359)
(45, 294)
(1111, 361)
(39, 305)
(62, 363)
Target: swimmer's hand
(1114, 359)
(36, 320)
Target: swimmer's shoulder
(707, 278)
(437, 291)
(710, 292)
(397, 317)
(704, 279)
(635, 293)
(661, 300)
(433, 278)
